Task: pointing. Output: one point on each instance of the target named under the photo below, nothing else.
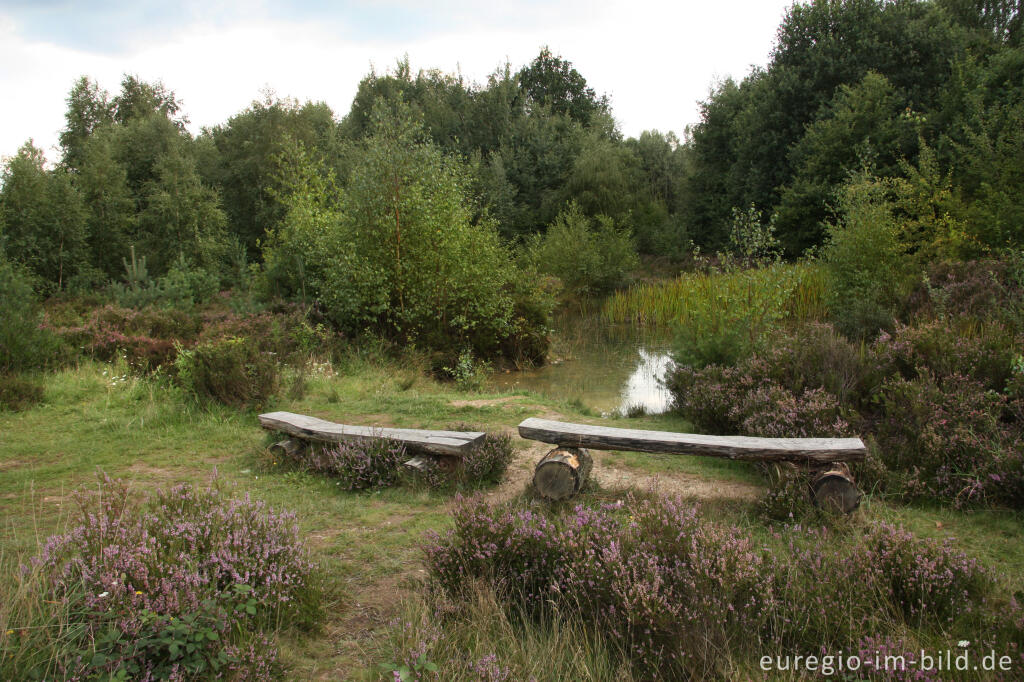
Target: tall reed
(797, 290)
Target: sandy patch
(520, 472)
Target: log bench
(446, 448)
(562, 471)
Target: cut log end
(835, 490)
(291, 447)
(562, 473)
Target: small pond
(608, 368)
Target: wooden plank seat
(562, 472)
(799, 450)
(450, 443)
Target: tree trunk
(833, 488)
(561, 473)
(291, 447)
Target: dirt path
(608, 476)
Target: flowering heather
(948, 437)
(217, 566)
(892, 657)
(488, 461)
(946, 348)
(359, 465)
(923, 579)
(678, 592)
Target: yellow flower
(138, 591)
(10, 632)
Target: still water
(609, 368)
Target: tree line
(930, 93)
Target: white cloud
(655, 60)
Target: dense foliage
(681, 596)
(188, 583)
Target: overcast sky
(655, 60)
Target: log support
(562, 473)
(291, 448)
(833, 488)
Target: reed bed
(796, 291)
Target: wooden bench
(562, 471)
(446, 447)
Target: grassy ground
(97, 417)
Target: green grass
(146, 431)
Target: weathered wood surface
(311, 428)
(287, 448)
(823, 450)
(561, 473)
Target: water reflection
(608, 368)
(645, 388)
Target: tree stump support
(562, 472)
(833, 488)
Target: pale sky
(655, 60)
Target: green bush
(399, 250)
(590, 256)
(19, 393)
(231, 371)
(865, 260)
(181, 287)
(23, 343)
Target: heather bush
(487, 462)
(803, 385)
(943, 437)
(187, 583)
(145, 339)
(924, 580)
(772, 411)
(679, 594)
(380, 463)
(231, 371)
(947, 347)
(287, 332)
(979, 289)
(814, 355)
(707, 396)
(358, 465)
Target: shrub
(680, 593)
(178, 586)
(865, 260)
(946, 348)
(786, 391)
(487, 462)
(19, 393)
(590, 256)
(183, 286)
(469, 373)
(707, 396)
(24, 344)
(231, 371)
(772, 411)
(288, 332)
(400, 250)
(945, 439)
(980, 289)
(924, 580)
(145, 339)
(359, 465)
(812, 356)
